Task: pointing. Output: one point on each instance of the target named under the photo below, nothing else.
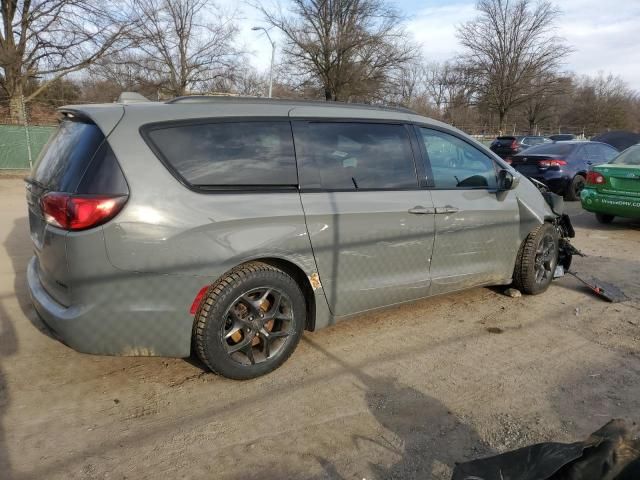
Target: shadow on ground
(8, 339)
(587, 220)
(419, 429)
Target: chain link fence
(487, 133)
(24, 130)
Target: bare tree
(122, 71)
(47, 39)
(348, 47)
(600, 103)
(509, 44)
(183, 45)
(539, 107)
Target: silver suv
(228, 226)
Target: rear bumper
(617, 205)
(118, 327)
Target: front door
(371, 227)
(477, 227)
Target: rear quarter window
(66, 156)
(227, 154)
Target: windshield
(631, 156)
(551, 149)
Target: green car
(613, 189)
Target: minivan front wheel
(536, 260)
(250, 321)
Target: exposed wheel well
(303, 282)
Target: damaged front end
(563, 226)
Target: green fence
(14, 153)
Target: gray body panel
(127, 287)
(369, 249)
(477, 245)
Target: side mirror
(507, 180)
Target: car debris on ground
(611, 453)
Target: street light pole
(273, 55)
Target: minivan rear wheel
(536, 260)
(250, 321)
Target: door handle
(447, 209)
(420, 210)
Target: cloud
(603, 34)
(434, 26)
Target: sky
(605, 34)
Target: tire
(575, 187)
(538, 251)
(604, 218)
(235, 335)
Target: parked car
(507, 146)
(613, 189)
(160, 226)
(618, 139)
(562, 137)
(563, 166)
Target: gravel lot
(401, 393)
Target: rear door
(592, 154)
(477, 227)
(371, 226)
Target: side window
(228, 154)
(352, 156)
(608, 153)
(593, 154)
(455, 163)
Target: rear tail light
(551, 163)
(80, 212)
(595, 178)
(514, 144)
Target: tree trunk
(501, 116)
(327, 94)
(17, 114)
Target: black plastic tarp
(608, 454)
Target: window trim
(430, 179)
(309, 185)
(147, 128)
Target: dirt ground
(402, 393)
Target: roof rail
(131, 97)
(300, 102)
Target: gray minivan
(227, 226)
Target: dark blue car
(563, 166)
